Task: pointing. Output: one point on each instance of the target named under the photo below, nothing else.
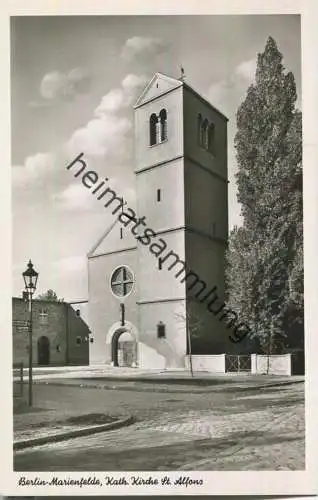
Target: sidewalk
(40, 426)
(162, 382)
(104, 373)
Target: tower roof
(161, 84)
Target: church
(139, 314)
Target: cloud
(101, 137)
(227, 93)
(218, 91)
(64, 86)
(111, 102)
(79, 80)
(246, 70)
(145, 47)
(122, 97)
(35, 167)
(106, 141)
(109, 133)
(75, 197)
(134, 83)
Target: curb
(172, 390)
(276, 384)
(62, 436)
(105, 387)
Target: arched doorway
(124, 348)
(43, 351)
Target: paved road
(221, 430)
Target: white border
(216, 483)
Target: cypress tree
(265, 258)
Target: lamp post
(30, 277)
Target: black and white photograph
(157, 228)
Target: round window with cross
(122, 281)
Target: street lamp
(30, 277)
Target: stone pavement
(251, 430)
(213, 423)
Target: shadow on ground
(167, 457)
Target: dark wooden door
(43, 351)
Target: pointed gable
(114, 239)
(158, 85)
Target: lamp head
(30, 277)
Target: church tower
(181, 183)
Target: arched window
(200, 130)
(211, 138)
(153, 126)
(163, 125)
(202, 133)
(205, 134)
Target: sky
(74, 81)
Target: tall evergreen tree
(265, 271)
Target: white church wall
(116, 239)
(149, 358)
(188, 197)
(155, 283)
(173, 347)
(173, 147)
(104, 309)
(166, 213)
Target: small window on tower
(158, 194)
(200, 130)
(205, 134)
(163, 125)
(161, 330)
(211, 138)
(153, 129)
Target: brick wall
(55, 331)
